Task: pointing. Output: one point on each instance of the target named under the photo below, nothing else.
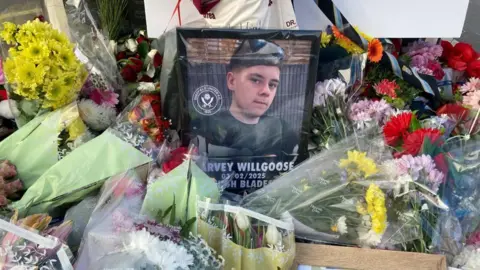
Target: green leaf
(172, 215)
(186, 228)
(414, 124)
(159, 215)
(169, 209)
(143, 49)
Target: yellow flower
(37, 52)
(10, 69)
(362, 34)
(76, 129)
(28, 74)
(358, 162)
(344, 42)
(325, 39)
(334, 228)
(61, 39)
(28, 93)
(56, 90)
(361, 209)
(8, 32)
(376, 208)
(66, 59)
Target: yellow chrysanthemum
(358, 163)
(325, 39)
(375, 199)
(66, 59)
(361, 209)
(26, 92)
(56, 90)
(76, 129)
(10, 69)
(61, 39)
(36, 52)
(28, 74)
(8, 33)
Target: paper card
(164, 15)
(407, 18)
(309, 16)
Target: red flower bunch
(397, 128)
(387, 88)
(148, 114)
(455, 111)
(414, 141)
(460, 56)
(404, 131)
(139, 63)
(177, 157)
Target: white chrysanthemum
(369, 238)
(342, 225)
(328, 88)
(167, 255)
(96, 117)
(469, 259)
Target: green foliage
(170, 213)
(112, 14)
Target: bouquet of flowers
(354, 194)
(44, 141)
(30, 243)
(41, 68)
(246, 239)
(118, 236)
(135, 139)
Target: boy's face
(254, 88)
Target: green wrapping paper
(84, 170)
(122, 147)
(34, 148)
(175, 184)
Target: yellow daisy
(37, 52)
(61, 39)
(28, 93)
(66, 59)
(358, 163)
(376, 208)
(10, 69)
(28, 74)
(8, 33)
(56, 90)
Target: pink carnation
(474, 238)
(106, 98)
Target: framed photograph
(248, 99)
(323, 257)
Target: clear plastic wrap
(42, 71)
(246, 239)
(253, 109)
(23, 247)
(117, 235)
(351, 194)
(135, 139)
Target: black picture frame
(184, 92)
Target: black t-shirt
(270, 136)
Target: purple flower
(422, 169)
(365, 113)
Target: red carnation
(473, 69)
(414, 141)
(3, 94)
(447, 49)
(459, 56)
(397, 128)
(141, 39)
(441, 163)
(176, 159)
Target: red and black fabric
(204, 6)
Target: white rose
(132, 45)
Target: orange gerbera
(336, 32)
(375, 50)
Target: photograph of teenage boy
(253, 77)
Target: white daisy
(96, 117)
